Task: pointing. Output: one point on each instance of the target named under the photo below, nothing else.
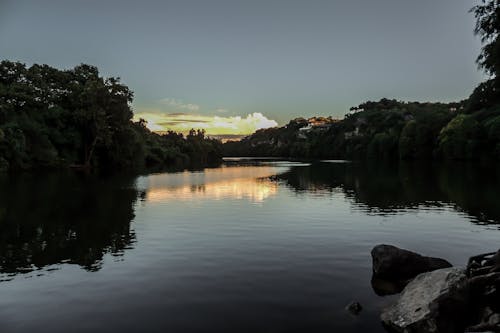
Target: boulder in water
(354, 308)
(395, 264)
(433, 302)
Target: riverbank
(384, 130)
(436, 297)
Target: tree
(55, 118)
(487, 16)
(460, 139)
(488, 27)
(407, 141)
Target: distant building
(315, 124)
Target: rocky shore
(434, 296)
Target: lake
(251, 246)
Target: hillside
(386, 129)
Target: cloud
(179, 104)
(213, 125)
(178, 114)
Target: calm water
(269, 246)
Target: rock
(354, 308)
(432, 302)
(383, 287)
(489, 321)
(494, 320)
(484, 264)
(395, 264)
(484, 282)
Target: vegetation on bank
(386, 129)
(468, 129)
(58, 118)
(53, 118)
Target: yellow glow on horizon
(213, 125)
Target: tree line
(468, 129)
(51, 118)
(387, 129)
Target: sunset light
(213, 125)
(249, 166)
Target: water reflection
(380, 188)
(243, 182)
(49, 219)
(254, 246)
(75, 219)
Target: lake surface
(252, 246)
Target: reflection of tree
(386, 188)
(53, 219)
(474, 191)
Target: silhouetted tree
(55, 118)
(488, 28)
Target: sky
(233, 66)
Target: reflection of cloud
(247, 183)
(253, 190)
(213, 125)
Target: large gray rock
(395, 264)
(432, 302)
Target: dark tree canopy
(57, 118)
(54, 118)
(389, 128)
(488, 28)
(487, 15)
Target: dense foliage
(57, 118)
(387, 129)
(468, 129)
